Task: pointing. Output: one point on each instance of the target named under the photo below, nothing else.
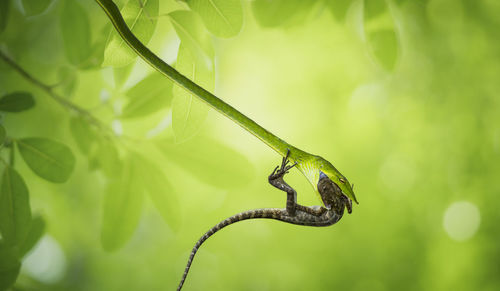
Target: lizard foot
(279, 172)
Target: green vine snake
(310, 165)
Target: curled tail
(275, 213)
(301, 218)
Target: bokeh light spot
(117, 127)
(104, 95)
(398, 174)
(46, 262)
(461, 220)
(371, 97)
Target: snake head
(328, 170)
(317, 169)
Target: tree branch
(58, 98)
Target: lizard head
(329, 171)
(333, 197)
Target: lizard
(334, 200)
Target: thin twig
(58, 98)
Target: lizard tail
(273, 213)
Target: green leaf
(150, 95)
(121, 74)
(192, 34)
(188, 111)
(96, 57)
(35, 7)
(210, 161)
(381, 37)
(141, 17)
(35, 233)
(280, 12)
(338, 8)
(15, 211)
(122, 207)
(49, 159)
(16, 102)
(4, 14)
(83, 134)
(223, 18)
(374, 8)
(384, 46)
(3, 134)
(68, 79)
(120, 3)
(160, 191)
(75, 29)
(105, 156)
(9, 266)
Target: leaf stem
(12, 154)
(56, 97)
(4, 162)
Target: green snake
(310, 165)
(333, 188)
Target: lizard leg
(348, 203)
(314, 210)
(276, 179)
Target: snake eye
(342, 180)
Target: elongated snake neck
(157, 63)
(300, 218)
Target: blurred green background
(401, 96)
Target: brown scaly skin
(333, 198)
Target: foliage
(75, 30)
(16, 102)
(15, 219)
(223, 18)
(148, 96)
(141, 17)
(188, 112)
(96, 149)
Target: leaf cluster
(18, 228)
(134, 102)
(129, 176)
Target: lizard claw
(280, 171)
(289, 167)
(274, 171)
